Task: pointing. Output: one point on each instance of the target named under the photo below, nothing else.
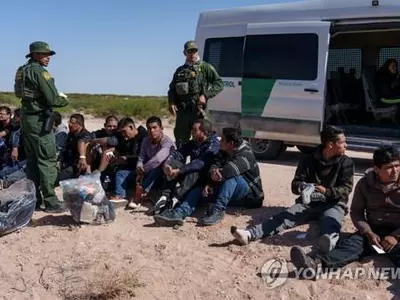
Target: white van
(290, 68)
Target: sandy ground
(53, 259)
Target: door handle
(311, 90)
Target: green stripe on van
(248, 133)
(255, 94)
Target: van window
(347, 60)
(386, 53)
(225, 54)
(281, 56)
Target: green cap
(39, 47)
(189, 45)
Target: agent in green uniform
(35, 86)
(192, 85)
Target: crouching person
(201, 150)
(154, 151)
(375, 212)
(324, 180)
(235, 180)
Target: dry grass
(105, 284)
(141, 107)
(90, 281)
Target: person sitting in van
(323, 181)
(192, 176)
(154, 151)
(388, 81)
(375, 213)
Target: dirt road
(52, 259)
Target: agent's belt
(34, 113)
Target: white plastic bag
(17, 205)
(86, 199)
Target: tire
(305, 149)
(266, 149)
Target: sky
(125, 47)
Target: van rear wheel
(266, 149)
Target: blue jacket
(201, 155)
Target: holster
(48, 121)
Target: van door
(222, 46)
(284, 78)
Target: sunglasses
(191, 51)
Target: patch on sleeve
(46, 75)
(18, 75)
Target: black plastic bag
(17, 205)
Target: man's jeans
(233, 192)
(126, 178)
(18, 165)
(10, 175)
(330, 216)
(124, 181)
(186, 183)
(153, 179)
(355, 248)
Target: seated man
(73, 158)
(126, 142)
(95, 150)
(60, 132)
(16, 162)
(375, 212)
(235, 180)
(6, 127)
(155, 149)
(324, 179)
(201, 150)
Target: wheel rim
(259, 145)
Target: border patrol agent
(35, 86)
(193, 84)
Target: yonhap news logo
(275, 272)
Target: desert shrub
(140, 107)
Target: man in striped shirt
(234, 178)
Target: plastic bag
(17, 205)
(87, 200)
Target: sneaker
(56, 209)
(118, 201)
(169, 218)
(160, 205)
(302, 261)
(133, 205)
(212, 218)
(242, 236)
(327, 242)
